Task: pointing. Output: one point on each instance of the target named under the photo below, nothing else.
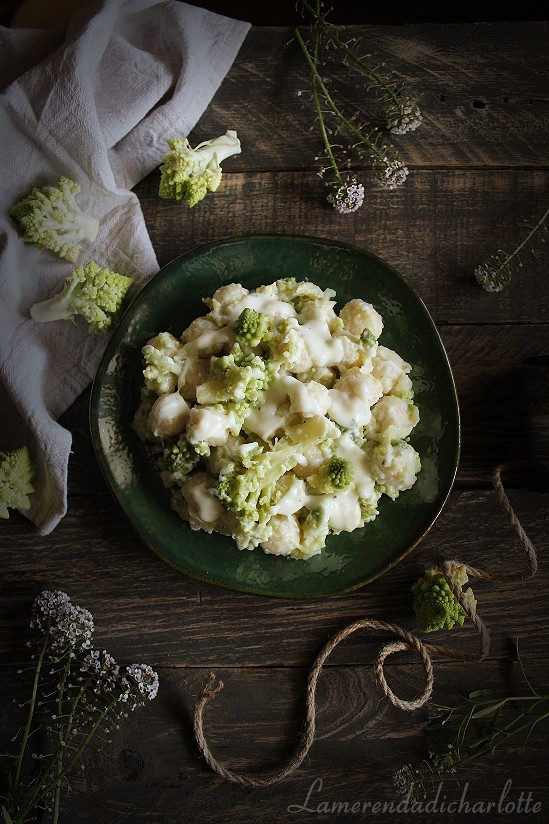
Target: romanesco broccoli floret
(92, 291)
(434, 602)
(16, 472)
(251, 327)
(249, 485)
(163, 360)
(315, 528)
(189, 174)
(178, 460)
(50, 218)
(335, 475)
(234, 377)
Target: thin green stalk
(526, 239)
(59, 758)
(68, 766)
(362, 138)
(332, 33)
(32, 706)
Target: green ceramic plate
(169, 302)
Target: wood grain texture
(482, 89)
(436, 229)
(143, 607)
(478, 178)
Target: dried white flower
(393, 174)
(347, 198)
(404, 119)
(68, 625)
(493, 277)
(103, 665)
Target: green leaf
(6, 816)
(479, 694)
(489, 709)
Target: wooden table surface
(478, 177)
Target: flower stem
(361, 137)
(32, 705)
(332, 33)
(59, 757)
(530, 234)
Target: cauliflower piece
(392, 419)
(189, 174)
(163, 357)
(352, 397)
(394, 466)
(168, 415)
(199, 326)
(307, 399)
(357, 315)
(209, 425)
(285, 535)
(435, 605)
(194, 372)
(222, 301)
(388, 367)
(205, 510)
(287, 348)
(234, 377)
(294, 495)
(92, 291)
(50, 218)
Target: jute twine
(407, 641)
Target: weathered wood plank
(482, 89)
(152, 770)
(435, 230)
(144, 609)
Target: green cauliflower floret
(50, 218)
(434, 602)
(163, 359)
(251, 327)
(140, 423)
(92, 291)
(249, 485)
(315, 528)
(335, 475)
(178, 460)
(236, 379)
(16, 472)
(189, 174)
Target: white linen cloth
(95, 103)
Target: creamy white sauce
(309, 398)
(322, 348)
(210, 425)
(204, 503)
(293, 500)
(265, 420)
(342, 509)
(363, 481)
(261, 303)
(351, 403)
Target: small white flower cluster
(393, 174)
(405, 118)
(145, 679)
(347, 198)
(491, 277)
(68, 625)
(103, 665)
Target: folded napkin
(94, 103)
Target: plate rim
(118, 335)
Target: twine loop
(408, 642)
